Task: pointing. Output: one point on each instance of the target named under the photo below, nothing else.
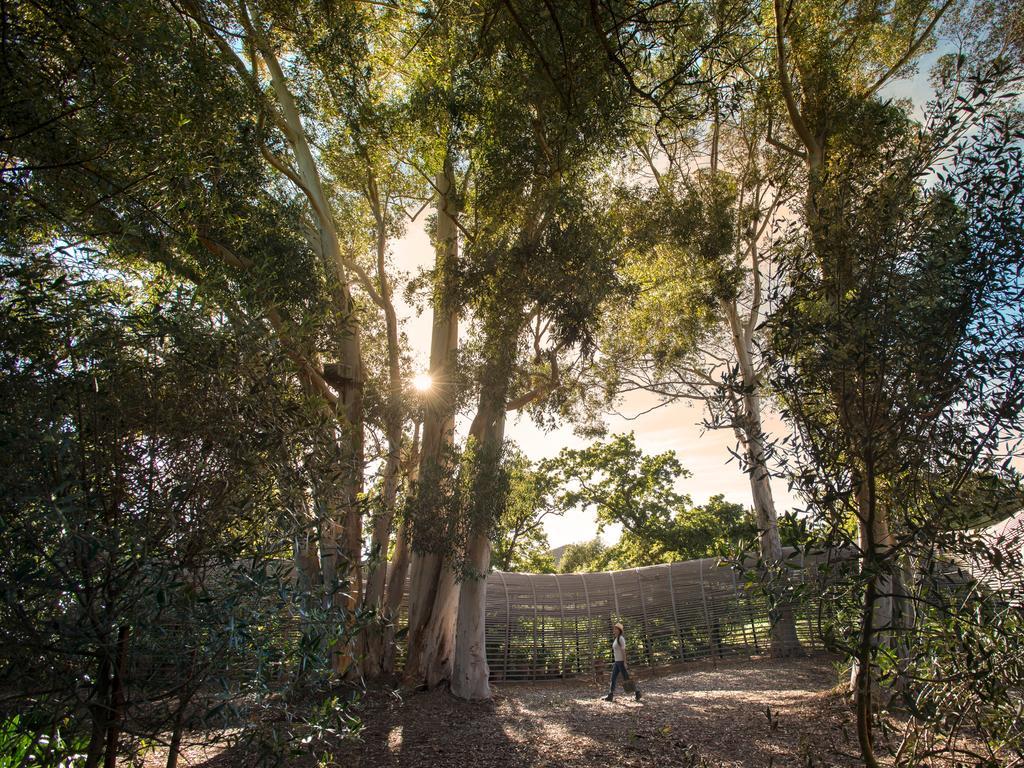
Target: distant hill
(557, 552)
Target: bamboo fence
(542, 626)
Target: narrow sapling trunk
(99, 710)
(117, 698)
(374, 635)
(749, 430)
(876, 543)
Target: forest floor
(756, 713)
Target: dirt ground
(741, 713)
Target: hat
(618, 626)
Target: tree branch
(782, 61)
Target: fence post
(643, 609)
(590, 621)
(740, 611)
(533, 666)
(675, 612)
(704, 600)
(807, 614)
(561, 631)
(508, 624)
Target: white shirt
(619, 648)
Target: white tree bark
(749, 430)
(470, 673)
(439, 633)
(344, 537)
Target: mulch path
(736, 714)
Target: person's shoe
(637, 694)
(607, 698)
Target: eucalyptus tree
(127, 142)
(449, 51)
(710, 191)
(266, 174)
(540, 115)
(895, 338)
(700, 261)
(372, 149)
(342, 133)
(252, 42)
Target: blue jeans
(618, 668)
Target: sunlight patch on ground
(395, 739)
(543, 729)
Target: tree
(144, 517)
(585, 557)
(711, 195)
(896, 349)
(541, 253)
(520, 543)
(626, 487)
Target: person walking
(619, 665)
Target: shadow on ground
(736, 714)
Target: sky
(705, 454)
(676, 426)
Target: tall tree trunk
(876, 542)
(425, 571)
(374, 635)
(431, 607)
(399, 567)
(117, 698)
(345, 537)
(749, 428)
(340, 529)
(470, 673)
(439, 632)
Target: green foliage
(472, 491)
(143, 443)
(520, 542)
(585, 557)
(22, 744)
(896, 345)
(626, 487)
(173, 295)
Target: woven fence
(542, 626)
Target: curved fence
(542, 626)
